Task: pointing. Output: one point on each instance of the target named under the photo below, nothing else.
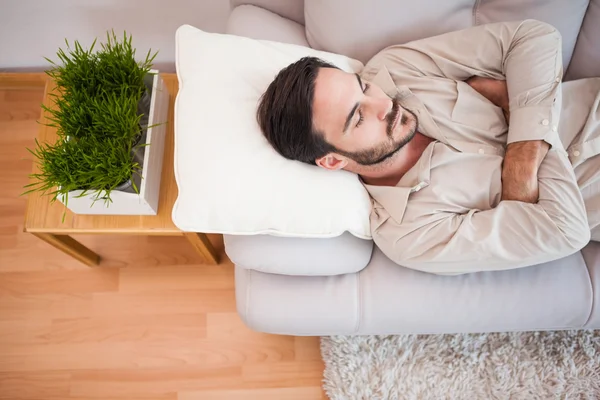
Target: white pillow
(230, 179)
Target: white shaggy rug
(515, 366)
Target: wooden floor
(150, 323)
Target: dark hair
(285, 112)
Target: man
(459, 140)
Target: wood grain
(203, 246)
(70, 246)
(292, 393)
(44, 282)
(39, 384)
(28, 80)
(151, 324)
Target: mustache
(392, 115)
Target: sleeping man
(475, 154)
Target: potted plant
(108, 110)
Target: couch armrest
(258, 23)
(344, 254)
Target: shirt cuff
(534, 123)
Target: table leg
(203, 246)
(71, 247)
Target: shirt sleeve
(528, 54)
(512, 235)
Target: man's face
(366, 126)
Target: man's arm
(520, 168)
(526, 53)
(523, 159)
(512, 235)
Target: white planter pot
(124, 202)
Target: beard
(384, 151)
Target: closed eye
(360, 116)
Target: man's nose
(381, 107)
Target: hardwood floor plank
(44, 306)
(139, 328)
(291, 393)
(284, 373)
(34, 385)
(132, 354)
(307, 348)
(149, 396)
(124, 382)
(32, 254)
(230, 327)
(177, 277)
(42, 282)
(106, 355)
(163, 302)
(22, 331)
(131, 382)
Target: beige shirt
(445, 215)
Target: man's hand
(494, 90)
(519, 170)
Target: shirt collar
(384, 80)
(394, 199)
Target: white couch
(382, 297)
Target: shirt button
(554, 128)
(576, 153)
(557, 79)
(545, 122)
(419, 186)
(481, 151)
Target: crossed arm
(522, 159)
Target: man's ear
(332, 162)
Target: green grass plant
(97, 119)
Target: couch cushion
(385, 298)
(362, 29)
(565, 16)
(586, 57)
(258, 23)
(290, 9)
(344, 254)
(230, 179)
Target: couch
(345, 285)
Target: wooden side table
(44, 220)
